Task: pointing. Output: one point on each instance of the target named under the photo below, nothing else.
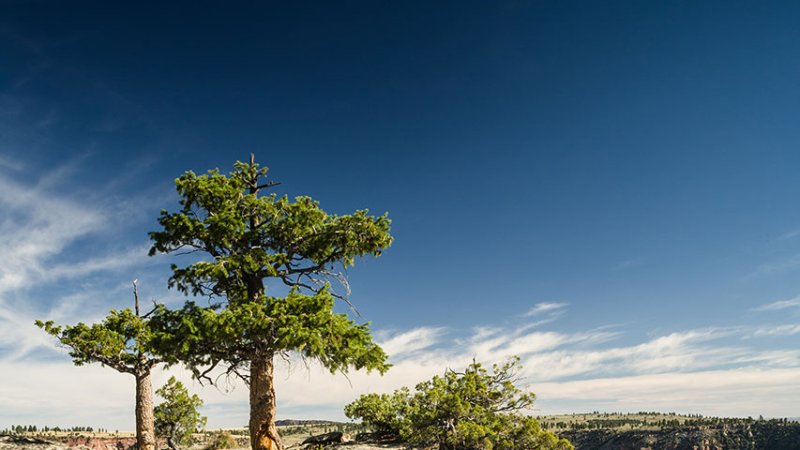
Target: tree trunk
(263, 405)
(145, 428)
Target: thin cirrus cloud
(780, 305)
(774, 267)
(546, 308)
(36, 227)
(792, 234)
(39, 229)
(402, 345)
(779, 330)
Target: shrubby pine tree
(120, 341)
(384, 414)
(177, 417)
(473, 410)
(245, 238)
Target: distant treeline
(598, 421)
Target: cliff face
(755, 436)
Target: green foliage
(383, 413)
(221, 440)
(177, 417)
(302, 323)
(473, 410)
(248, 238)
(251, 236)
(115, 342)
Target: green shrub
(384, 413)
(473, 410)
(221, 440)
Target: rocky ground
(25, 443)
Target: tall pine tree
(247, 239)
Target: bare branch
(136, 296)
(268, 185)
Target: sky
(606, 189)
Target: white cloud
(545, 307)
(412, 341)
(40, 228)
(779, 305)
(660, 370)
(778, 330)
(35, 227)
(743, 392)
(116, 260)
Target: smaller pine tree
(177, 417)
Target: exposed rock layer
(755, 436)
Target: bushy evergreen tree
(471, 410)
(177, 417)
(246, 238)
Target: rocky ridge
(755, 436)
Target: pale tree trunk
(145, 428)
(263, 405)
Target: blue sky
(608, 189)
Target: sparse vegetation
(221, 440)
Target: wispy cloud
(779, 305)
(407, 343)
(730, 392)
(40, 229)
(561, 367)
(10, 163)
(789, 235)
(784, 265)
(36, 226)
(779, 330)
(545, 307)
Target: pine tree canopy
(115, 342)
(244, 238)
